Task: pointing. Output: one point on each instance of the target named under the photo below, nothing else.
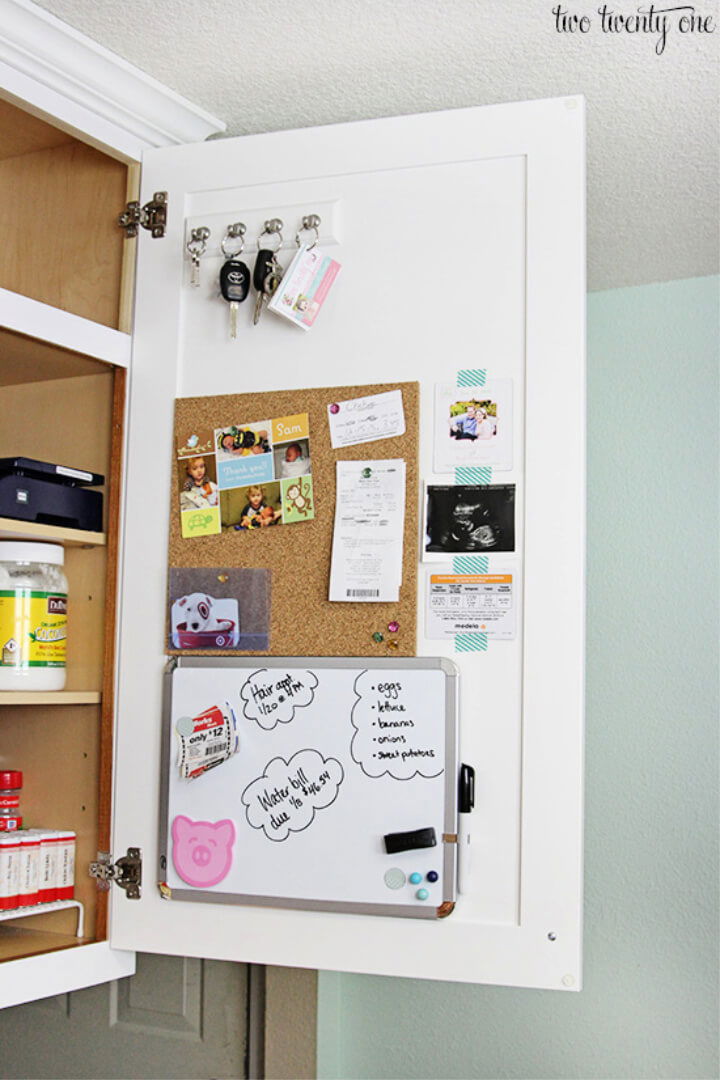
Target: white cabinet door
(461, 236)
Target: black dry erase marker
(466, 802)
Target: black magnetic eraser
(409, 841)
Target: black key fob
(234, 281)
(264, 265)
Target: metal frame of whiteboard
(449, 858)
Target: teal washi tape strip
(471, 564)
(481, 474)
(475, 474)
(471, 643)
(471, 377)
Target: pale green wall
(649, 1007)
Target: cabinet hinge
(151, 216)
(126, 872)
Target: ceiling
(653, 120)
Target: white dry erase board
(341, 794)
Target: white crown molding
(59, 73)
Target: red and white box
(10, 845)
(66, 864)
(29, 867)
(47, 873)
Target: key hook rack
(233, 232)
(273, 227)
(310, 223)
(197, 243)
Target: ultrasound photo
(470, 518)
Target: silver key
(270, 287)
(258, 306)
(195, 248)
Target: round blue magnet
(432, 875)
(422, 894)
(415, 878)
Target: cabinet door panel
(462, 242)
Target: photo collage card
(245, 476)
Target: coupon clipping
(206, 741)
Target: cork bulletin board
(283, 607)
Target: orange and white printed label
(33, 628)
(471, 604)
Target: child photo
(218, 608)
(247, 509)
(470, 518)
(292, 459)
(198, 482)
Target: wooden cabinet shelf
(46, 909)
(10, 529)
(50, 697)
(18, 942)
(40, 341)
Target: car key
(272, 283)
(264, 264)
(234, 274)
(267, 266)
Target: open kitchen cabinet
(67, 170)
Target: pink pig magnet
(202, 850)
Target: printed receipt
(368, 534)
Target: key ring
(233, 232)
(197, 243)
(273, 227)
(310, 223)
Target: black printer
(50, 494)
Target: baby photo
(292, 459)
(218, 608)
(242, 440)
(197, 482)
(250, 508)
(470, 518)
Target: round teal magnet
(415, 878)
(422, 894)
(185, 726)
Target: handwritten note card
(366, 419)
